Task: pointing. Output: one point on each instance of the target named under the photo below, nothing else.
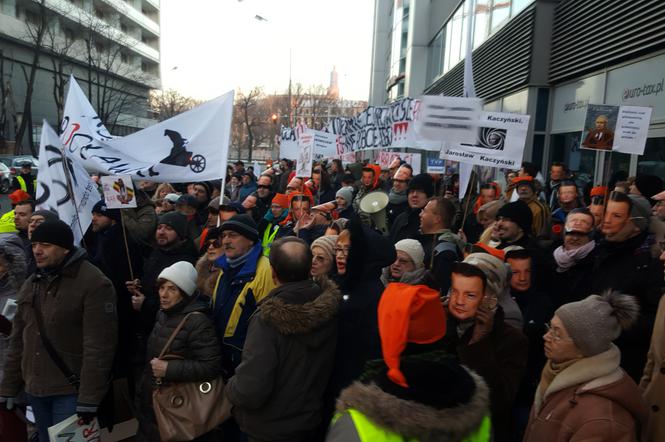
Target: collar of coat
(413, 419)
(589, 373)
(288, 310)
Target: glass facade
(489, 17)
(400, 36)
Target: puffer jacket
(78, 304)
(443, 402)
(593, 399)
(277, 391)
(196, 343)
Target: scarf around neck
(550, 371)
(565, 259)
(239, 261)
(397, 198)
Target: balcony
(133, 14)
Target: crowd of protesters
(531, 312)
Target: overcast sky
(211, 46)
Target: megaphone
(374, 203)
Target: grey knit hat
(593, 323)
(640, 212)
(494, 269)
(346, 193)
(414, 249)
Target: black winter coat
(575, 283)
(196, 343)
(277, 390)
(628, 267)
(406, 225)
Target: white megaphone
(374, 203)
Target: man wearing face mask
(478, 335)
(623, 262)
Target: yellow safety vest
(268, 238)
(369, 431)
(24, 187)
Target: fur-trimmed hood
(12, 251)
(412, 419)
(207, 276)
(301, 308)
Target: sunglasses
(263, 186)
(215, 243)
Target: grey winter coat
(278, 387)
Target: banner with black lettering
(63, 185)
(192, 146)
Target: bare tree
(167, 104)
(251, 121)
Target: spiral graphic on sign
(492, 138)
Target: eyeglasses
(344, 251)
(215, 243)
(555, 335)
(262, 186)
(395, 180)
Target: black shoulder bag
(72, 378)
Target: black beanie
(101, 208)
(54, 232)
(519, 213)
(649, 185)
(242, 224)
(175, 220)
(422, 182)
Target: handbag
(186, 410)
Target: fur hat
(408, 313)
(327, 243)
(519, 213)
(346, 193)
(594, 322)
(494, 269)
(244, 225)
(422, 182)
(101, 209)
(414, 249)
(54, 232)
(175, 220)
(183, 274)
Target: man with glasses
(409, 266)
(264, 196)
(397, 197)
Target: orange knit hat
(18, 196)
(281, 199)
(408, 313)
(599, 191)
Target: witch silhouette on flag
(180, 156)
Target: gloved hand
(6, 403)
(86, 412)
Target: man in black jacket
(277, 390)
(407, 224)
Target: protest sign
(436, 165)
(288, 143)
(632, 129)
(500, 139)
(599, 127)
(412, 159)
(192, 146)
(118, 191)
(63, 185)
(376, 127)
(73, 429)
(325, 144)
(305, 155)
(447, 119)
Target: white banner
(447, 119)
(500, 140)
(192, 146)
(72, 203)
(325, 144)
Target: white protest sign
(500, 139)
(412, 159)
(632, 129)
(73, 429)
(447, 119)
(305, 155)
(436, 165)
(192, 146)
(118, 191)
(71, 193)
(288, 143)
(325, 144)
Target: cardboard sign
(73, 429)
(325, 144)
(118, 191)
(599, 126)
(305, 155)
(632, 129)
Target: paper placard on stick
(500, 139)
(118, 191)
(73, 429)
(305, 155)
(436, 165)
(600, 125)
(288, 143)
(632, 129)
(325, 144)
(453, 119)
(412, 159)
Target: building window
(124, 57)
(435, 57)
(518, 6)
(500, 13)
(69, 34)
(482, 22)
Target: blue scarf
(239, 261)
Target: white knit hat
(414, 249)
(183, 274)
